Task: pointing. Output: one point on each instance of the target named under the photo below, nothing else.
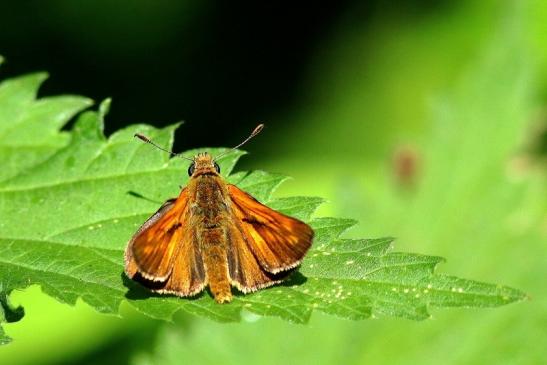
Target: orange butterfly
(217, 235)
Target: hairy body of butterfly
(217, 235)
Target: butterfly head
(203, 164)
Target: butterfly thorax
(208, 193)
(209, 200)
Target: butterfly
(214, 234)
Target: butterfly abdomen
(215, 260)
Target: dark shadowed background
(220, 67)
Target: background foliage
(456, 89)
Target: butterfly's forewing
(152, 250)
(164, 251)
(277, 241)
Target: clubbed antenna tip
(143, 138)
(257, 130)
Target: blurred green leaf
(480, 198)
(67, 215)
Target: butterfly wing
(278, 242)
(244, 270)
(188, 274)
(162, 255)
(151, 250)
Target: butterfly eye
(217, 167)
(191, 169)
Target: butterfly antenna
(257, 130)
(143, 138)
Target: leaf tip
(39, 76)
(104, 107)
(517, 295)
(178, 124)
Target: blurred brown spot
(537, 137)
(406, 166)
(531, 156)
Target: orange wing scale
(162, 251)
(277, 241)
(245, 272)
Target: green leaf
(66, 216)
(29, 128)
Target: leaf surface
(68, 211)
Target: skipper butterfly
(214, 234)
